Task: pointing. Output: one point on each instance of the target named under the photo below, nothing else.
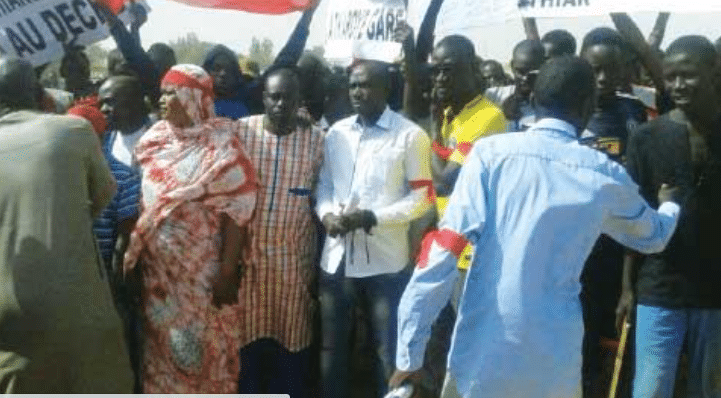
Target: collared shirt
(384, 168)
(122, 145)
(479, 118)
(499, 95)
(532, 204)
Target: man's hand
(625, 310)
(400, 376)
(225, 286)
(403, 33)
(669, 193)
(333, 225)
(417, 378)
(140, 16)
(360, 219)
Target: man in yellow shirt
(467, 115)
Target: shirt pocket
(300, 192)
(386, 168)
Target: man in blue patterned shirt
(119, 98)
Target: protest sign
(363, 29)
(460, 16)
(255, 6)
(37, 29)
(574, 8)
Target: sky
(169, 20)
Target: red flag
(115, 5)
(254, 6)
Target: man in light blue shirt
(532, 204)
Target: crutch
(619, 359)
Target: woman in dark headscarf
(231, 94)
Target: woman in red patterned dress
(199, 192)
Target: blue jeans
(660, 336)
(378, 296)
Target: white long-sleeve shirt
(384, 168)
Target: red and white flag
(254, 6)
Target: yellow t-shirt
(477, 119)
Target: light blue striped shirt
(533, 204)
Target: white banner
(458, 16)
(36, 29)
(575, 8)
(363, 29)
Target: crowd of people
(178, 228)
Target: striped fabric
(125, 204)
(275, 291)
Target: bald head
(455, 71)
(18, 84)
(460, 46)
(528, 56)
(369, 85)
(122, 102)
(378, 71)
(532, 50)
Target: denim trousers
(378, 297)
(660, 337)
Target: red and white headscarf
(194, 88)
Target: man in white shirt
(122, 101)
(375, 180)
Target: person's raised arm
(411, 92)
(137, 59)
(659, 30)
(293, 48)
(424, 42)
(649, 58)
(531, 28)
(140, 16)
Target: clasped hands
(338, 225)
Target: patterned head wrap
(194, 88)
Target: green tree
(98, 57)
(190, 49)
(261, 52)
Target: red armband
(442, 151)
(464, 148)
(430, 192)
(447, 239)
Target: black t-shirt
(688, 272)
(608, 131)
(609, 127)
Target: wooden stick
(619, 359)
